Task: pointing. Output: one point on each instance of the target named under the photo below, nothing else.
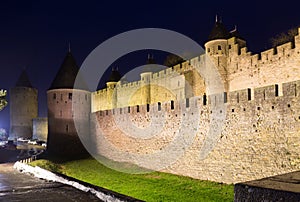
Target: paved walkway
(20, 187)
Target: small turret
(114, 78)
(217, 48)
(111, 83)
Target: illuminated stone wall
(23, 108)
(260, 136)
(63, 137)
(40, 128)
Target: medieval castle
(261, 132)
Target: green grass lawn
(155, 186)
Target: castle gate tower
(63, 137)
(23, 108)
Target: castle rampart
(260, 137)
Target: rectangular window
(187, 103)
(204, 99)
(249, 93)
(128, 109)
(225, 97)
(159, 106)
(70, 96)
(67, 128)
(137, 108)
(54, 96)
(172, 104)
(148, 107)
(219, 47)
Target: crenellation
(244, 51)
(261, 106)
(266, 56)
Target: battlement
(240, 97)
(268, 55)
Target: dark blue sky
(35, 34)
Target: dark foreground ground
(20, 187)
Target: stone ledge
(284, 187)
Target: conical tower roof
(66, 75)
(23, 80)
(115, 76)
(149, 67)
(219, 31)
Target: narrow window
(120, 110)
(204, 99)
(85, 96)
(264, 94)
(237, 97)
(276, 90)
(67, 128)
(70, 96)
(106, 112)
(54, 96)
(219, 47)
(172, 104)
(187, 103)
(159, 106)
(208, 50)
(225, 97)
(229, 47)
(137, 108)
(249, 93)
(128, 109)
(295, 85)
(148, 107)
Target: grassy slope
(154, 186)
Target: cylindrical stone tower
(23, 108)
(63, 139)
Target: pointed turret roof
(115, 76)
(235, 33)
(67, 73)
(219, 31)
(148, 67)
(23, 80)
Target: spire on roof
(23, 80)
(235, 33)
(115, 76)
(66, 76)
(219, 31)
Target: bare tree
(284, 37)
(172, 60)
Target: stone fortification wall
(259, 138)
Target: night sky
(35, 34)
